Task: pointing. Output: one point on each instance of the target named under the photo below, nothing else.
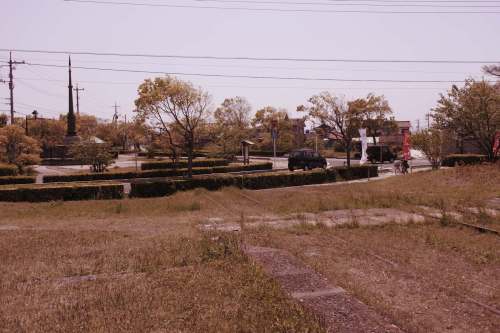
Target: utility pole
(78, 99)
(418, 125)
(428, 117)
(115, 116)
(11, 85)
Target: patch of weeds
(189, 207)
(483, 217)
(322, 205)
(445, 219)
(214, 246)
(303, 228)
(353, 222)
(119, 208)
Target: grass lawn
(144, 265)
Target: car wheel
(290, 168)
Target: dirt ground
(426, 278)
(148, 264)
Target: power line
(275, 67)
(282, 10)
(309, 3)
(297, 78)
(250, 87)
(206, 57)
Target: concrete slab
(338, 310)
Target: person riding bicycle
(404, 166)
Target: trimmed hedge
(239, 168)
(9, 180)
(254, 181)
(357, 172)
(267, 153)
(8, 170)
(153, 173)
(183, 164)
(463, 159)
(44, 193)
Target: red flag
(406, 146)
(496, 145)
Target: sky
(319, 34)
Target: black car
(380, 153)
(305, 159)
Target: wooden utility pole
(11, 85)
(115, 116)
(78, 99)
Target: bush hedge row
(357, 172)
(153, 173)
(462, 159)
(254, 181)
(8, 170)
(44, 193)
(183, 164)
(9, 180)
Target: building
(393, 133)
(298, 129)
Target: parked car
(305, 159)
(380, 153)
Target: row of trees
(173, 115)
(181, 113)
(470, 112)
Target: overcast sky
(60, 25)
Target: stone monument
(71, 134)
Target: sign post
(274, 135)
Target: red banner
(406, 146)
(496, 145)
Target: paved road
(282, 162)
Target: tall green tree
(17, 148)
(263, 122)
(430, 142)
(168, 101)
(231, 125)
(340, 116)
(374, 112)
(472, 111)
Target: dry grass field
(145, 265)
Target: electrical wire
(281, 10)
(309, 3)
(346, 60)
(296, 78)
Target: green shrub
(266, 153)
(215, 182)
(8, 170)
(463, 159)
(124, 175)
(357, 172)
(183, 164)
(9, 180)
(153, 173)
(44, 193)
(239, 168)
